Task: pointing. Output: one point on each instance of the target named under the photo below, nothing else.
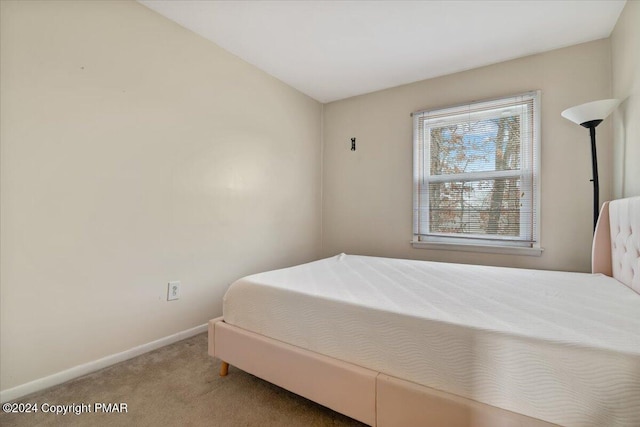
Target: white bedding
(562, 347)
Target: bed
(394, 342)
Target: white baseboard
(87, 368)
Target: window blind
(476, 172)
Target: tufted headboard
(616, 242)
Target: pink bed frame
(380, 400)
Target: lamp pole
(591, 125)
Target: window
(476, 175)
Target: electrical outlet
(173, 291)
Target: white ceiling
(336, 49)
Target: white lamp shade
(596, 110)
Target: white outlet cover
(173, 290)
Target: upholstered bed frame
(380, 400)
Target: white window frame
(529, 242)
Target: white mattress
(561, 347)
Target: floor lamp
(590, 115)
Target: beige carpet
(177, 385)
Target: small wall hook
(353, 144)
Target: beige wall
(625, 54)
(367, 194)
(133, 153)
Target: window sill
(505, 250)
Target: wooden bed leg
(224, 369)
